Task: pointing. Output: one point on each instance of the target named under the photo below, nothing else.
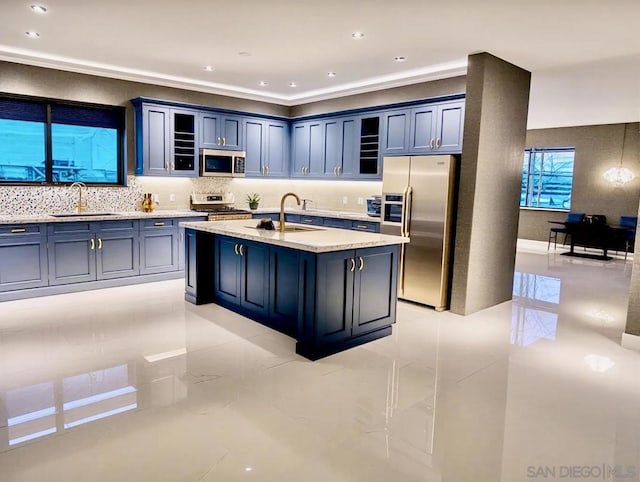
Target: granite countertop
(317, 239)
(102, 216)
(321, 212)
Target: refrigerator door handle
(403, 213)
(406, 215)
(401, 272)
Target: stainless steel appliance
(218, 163)
(217, 206)
(373, 206)
(417, 201)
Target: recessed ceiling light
(331, 74)
(263, 83)
(209, 68)
(32, 34)
(400, 58)
(244, 54)
(293, 84)
(357, 35)
(38, 8)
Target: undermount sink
(290, 229)
(80, 215)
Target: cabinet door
(156, 140)
(72, 258)
(254, 147)
(375, 288)
(395, 138)
(316, 149)
(334, 296)
(158, 246)
(370, 160)
(231, 132)
(332, 147)
(301, 149)
(337, 223)
(349, 147)
(209, 131)
(227, 269)
(23, 258)
(313, 220)
(184, 149)
(255, 277)
(283, 290)
(117, 252)
(277, 148)
(450, 123)
(369, 226)
(422, 138)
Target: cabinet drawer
(337, 223)
(315, 220)
(12, 230)
(125, 225)
(365, 226)
(74, 227)
(158, 223)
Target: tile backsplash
(173, 193)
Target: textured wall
(487, 223)
(437, 88)
(597, 149)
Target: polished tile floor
(134, 384)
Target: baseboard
(631, 342)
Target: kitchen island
(330, 289)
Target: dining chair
(631, 223)
(553, 232)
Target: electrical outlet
(345, 200)
(360, 201)
(156, 198)
(172, 197)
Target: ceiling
(283, 41)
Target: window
(53, 142)
(547, 178)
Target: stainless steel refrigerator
(417, 201)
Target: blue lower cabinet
(369, 226)
(23, 257)
(337, 223)
(158, 246)
(272, 216)
(313, 220)
(117, 253)
(182, 255)
(199, 267)
(72, 253)
(242, 274)
(283, 289)
(354, 303)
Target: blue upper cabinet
(266, 147)
(428, 129)
(395, 140)
(166, 141)
(332, 137)
(308, 140)
(220, 131)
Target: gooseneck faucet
(81, 204)
(281, 227)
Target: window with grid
(547, 178)
(54, 142)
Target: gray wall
(487, 225)
(597, 148)
(38, 81)
(436, 88)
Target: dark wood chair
(553, 232)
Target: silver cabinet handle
(173, 166)
(92, 244)
(267, 170)
(360, 226)
(335, 171)
(217, 141)
(241, 248)
(438, 143)
(339, 170)
(262, 170)
(432, 144)
(166, 166)
(353, 265)
(99, 243)
(158, 224)
(224, 141)
(235, 249)
(361, 263)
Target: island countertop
(315, 239)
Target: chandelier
(619, 175)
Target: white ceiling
(169, 42)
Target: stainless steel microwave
(217, 163)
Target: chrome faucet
(281, 227)
(81, 204)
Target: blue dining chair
(553, 232)
(629, 222)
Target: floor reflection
(536, 300)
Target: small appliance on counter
(373, 206)
(218, 163)
(217, 206)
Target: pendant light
(619, 176)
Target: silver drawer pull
(360, 226)
(158, 224)
(18, 230)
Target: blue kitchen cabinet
(368, 161)
(283, 294)
(337, 223)
(220, 131)
(304, 219)
(23, 256)
(422, 137)
(332, 148)
(182, 255)
(158, 245)
(199, 267)
(165, 140)
(241, 275)
(308, 149)
(449, 127)
(355, 299)
(348, 166)
(368, 226)
(117, 253)
(272, 216)
(266, 147)
(395, 132)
